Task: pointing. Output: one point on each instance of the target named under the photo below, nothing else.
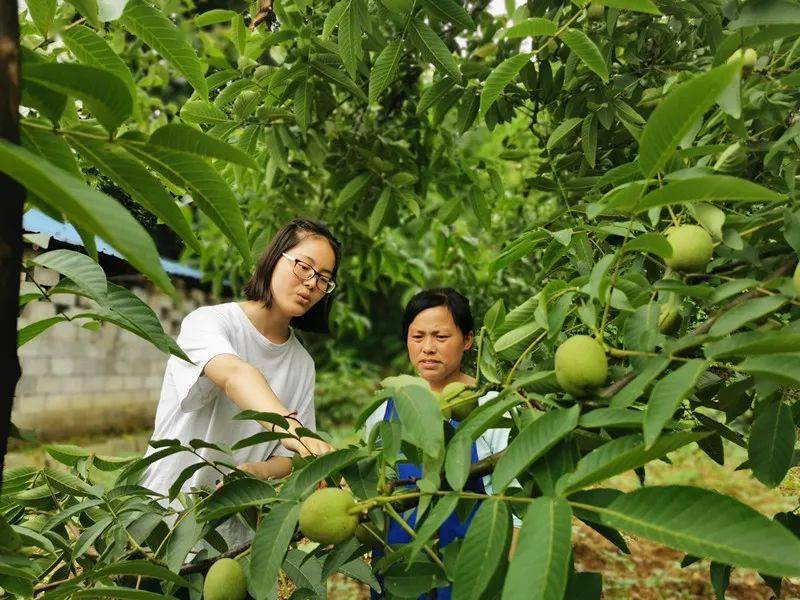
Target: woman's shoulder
(212, 312)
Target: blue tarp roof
(36, 221)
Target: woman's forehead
(438, 318)
(315, 250)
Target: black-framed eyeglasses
(305, 271)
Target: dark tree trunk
(12, 195)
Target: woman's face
(291, 295)
(436, 345)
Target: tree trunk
(10, 220)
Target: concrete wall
(76, 381)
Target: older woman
(438, 329)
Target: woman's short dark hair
(291, 234)
(456, 303)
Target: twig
(265, 14)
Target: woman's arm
(246, 387)
(275, 467)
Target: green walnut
(669, 319)
(225, 580)
(581, 365)
(796, 279)
(451, 394)
(324, 516)
(749, 58)
(595, 11)
(691, 248)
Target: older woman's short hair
(456, 303)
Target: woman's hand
(306, 446)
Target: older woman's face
(435, 345)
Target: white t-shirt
(191, 406)
(490, 441)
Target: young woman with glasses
(245, 356)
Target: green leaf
(103, 93)
(560, 132)
(612, 417)
(89, 535)
(352, 191)
(117, 592)
(655, 243)
(184, 537)
(457, 460)
(214, 16)
(123, 308)
(433, 48)
(136, 180)
(499, 78)
(48, 102)
(676, 114)
(586, 50)
(773, 12)
(540, 565)
(183, 477)
(269, 547)
(200, 111)
(50, 146)
(91, 49)
(449, 11)
(589, 139)
(746, 312)
(333, 18)
(483, 548)
(338, 78)
(645, 6)
(520, 335)
(771, 444)
(81, 269)
(434, 93)
(420, 418)
(350, 36)
(380, 211)
(304, 102)
(42, 13)
(532, 28)
(706, 524)
(67, 454)
(143, 568)
(782, 367)
(620, 455)
(27, 333)
(305, 480)
(183, 138)
(9, 539)
(708, 188)
(440, 512)
(532, 443)
(754, 343)
(384, 71)
(667, 395)
(87, 208)
(64, 481)
(89, 9)
(235, 496)
(209, 191)
(153, 27)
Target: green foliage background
(533, 159)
